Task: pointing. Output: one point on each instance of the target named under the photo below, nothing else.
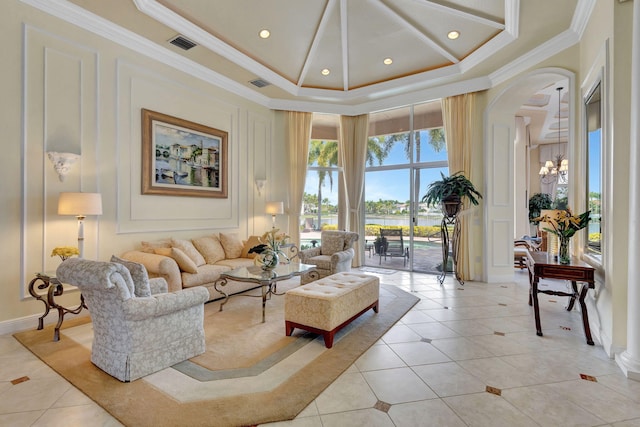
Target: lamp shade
(274, 208)
(80, 204)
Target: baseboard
(12, 326)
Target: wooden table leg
(585, 316)
(572, 299)
(536, 307)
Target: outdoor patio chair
(393, 244)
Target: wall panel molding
(60, 114)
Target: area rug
(251, 373)
(377, 270)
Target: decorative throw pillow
(190, 250)
(150, 247)
(231, 244)
(184, 262)
(210, 248)
(138, 275)
(250, 243)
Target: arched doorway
(500, 166)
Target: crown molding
(95, 24)
(402, 91)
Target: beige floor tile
(621, 384)
(73, 397)
(33, 395)
(495, 372)
(349, 392)
(427, 412)
(398, 385)
(487, 410)
(379, 357)
(461, 348)
(598, 399)
(628, 423)
(20, 419)
(426, 304)
(444, 314)
(9, 346)
(549, 408)
(84, 415)
(365, 417)
(433, 330)
(400, 333)
(417, 316)
(419, 353)
(449, 379)
(468, 328)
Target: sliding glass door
(402, 162)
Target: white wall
(76, 92)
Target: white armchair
(334, 254)
(136, 333)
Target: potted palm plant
(449, 192)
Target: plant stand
(452, 241)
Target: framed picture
(182, 158)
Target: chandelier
(556, 169)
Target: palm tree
(380, 147)
(325, 155)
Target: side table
(541, 265)
(54, 288)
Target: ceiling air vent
(182, 42)
(259, 83)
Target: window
(593, 110)
(321, 193)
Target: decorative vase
(564, 256)
(268, 259)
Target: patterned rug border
(140, 404)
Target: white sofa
(196, 262)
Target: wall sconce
(80, 205)
(274, 208)
(260, 183)
(62, 162)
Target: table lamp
(80, 205)
(274, 208)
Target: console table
(541, 266)
(54, 288)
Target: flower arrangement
(65, 252)
(564, 224)
(269, 248)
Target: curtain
(458, 115)
(352, 152)
(298, 128)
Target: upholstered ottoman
(329, 304)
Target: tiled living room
(436, 362)
(189, 120)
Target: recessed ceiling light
(264, 34)
(325, 72)
(387, 61)
(452, 35)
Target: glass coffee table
(266, 279)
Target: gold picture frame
(182, 158)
